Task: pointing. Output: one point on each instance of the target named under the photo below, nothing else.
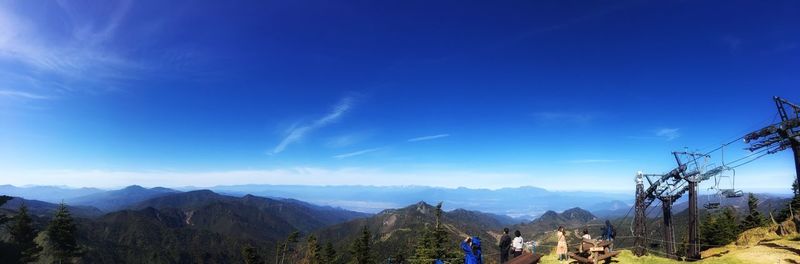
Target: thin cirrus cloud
(22, 95)
(366, 151)
(668, 133)
(82, 53)
(356, 153)
(564, 117)
(591, 161)
(416, 139)
(299, 132)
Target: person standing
(469, 255)
(472, 250)
(609, 232)
(516, 244)
(505, 245)
(561, 247)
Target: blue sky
(566, 95)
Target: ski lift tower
(659, 184)
(693, 178)
(640, 225)
(780, 136)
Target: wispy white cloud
(589, 161)
(297, 133)
(564, 117)
(668, 133)
(78, 58)
(356, 153)
(346, 140)
(23, 95)
(428, 137)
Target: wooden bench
(593, 251)
(526, 258)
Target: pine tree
(439, 234)
(793, 206)
(250, 255)
(7, 251)
(3, 200)
(22, 236)
(753, 218)
(719, 229)
(279, 251)
(329, 254)
(432, 241)
(289, 247)
(361, 249)
(313, 253)
(60, 243)
(424, 251)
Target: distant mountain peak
(424, 208)
(134, 187)
(577, 213)
(549, 214)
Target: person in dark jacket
(609, 232)
(505, 245)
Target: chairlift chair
(713, 201)
(732, 193)
(711, 206)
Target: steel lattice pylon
(671, 186)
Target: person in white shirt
(516, 244)
(586, 234)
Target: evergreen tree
(23, 235)
(329, 254)
(7, 251)
(432, 241)
(793, 206)
(424, 251)
(61, 245)
(719, 229)
(313, 253)
(250, 255)
(288, 249)
(439, 234)
(3, 200)
(361, 249)
(753, 218)
(279, 251)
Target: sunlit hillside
(765, 248)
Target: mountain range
(160, 225)
(521, 204)
(395, 231)
(187, 227)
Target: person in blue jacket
(472, 250)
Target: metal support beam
(693, 250)
(692, 178)
(789, 133)
(669, 230)
(640, 223)
(796, 150)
